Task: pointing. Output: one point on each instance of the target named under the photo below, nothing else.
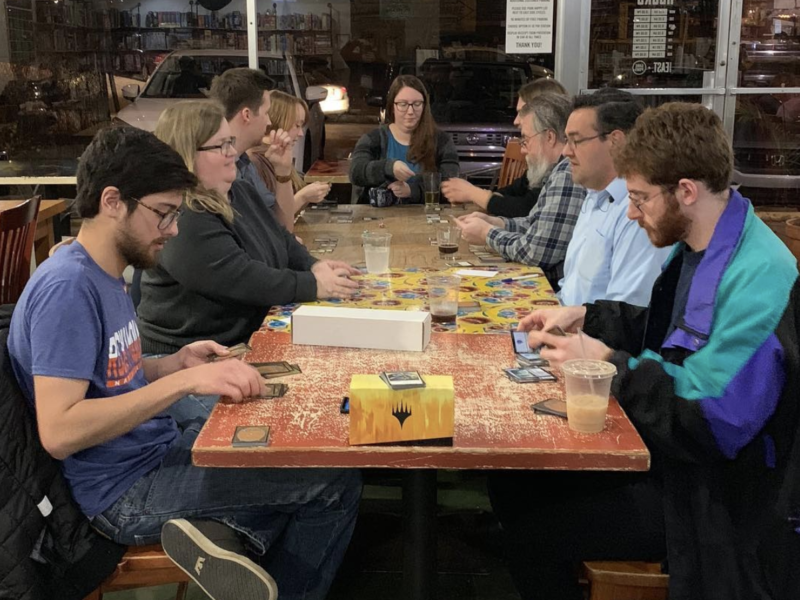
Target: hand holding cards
(233, 352)
(270, 370)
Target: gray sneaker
(213, 556)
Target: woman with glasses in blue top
(391, 159)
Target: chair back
(514, 164)
(17, 230)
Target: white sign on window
(529, 26)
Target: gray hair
(550, 112)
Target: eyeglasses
(637, 201)
(404, 106)
(524, 139)
(167, 218)
(574, 143)
(224, 147)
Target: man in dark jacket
(708, 373)
(49, 549)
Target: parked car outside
(187, 74)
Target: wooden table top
(411, 233)
(47, 208)
(494, 425)
(329, 171)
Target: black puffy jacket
(48, 550)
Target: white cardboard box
(361, 328)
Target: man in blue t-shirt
(107, 413)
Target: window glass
(669, 44)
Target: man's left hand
(559, 349)
(474, 230)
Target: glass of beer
(432, 182)
(447, 238)
(443, 291)
(588, 385)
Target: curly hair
(678, 141)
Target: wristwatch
(283, 178)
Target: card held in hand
(274, 390)
(269, 370)
(233, 352)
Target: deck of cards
(273, 390)
(270, 370)
(402, 380)
(233, 352)
(250, 435)
(529, 375)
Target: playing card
(233, 352)
(250, 435)
(274, 390)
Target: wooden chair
(514, 164)
(17, 230)
(512, 167)
(625, 580)
(143, 566)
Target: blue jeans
(298, 522)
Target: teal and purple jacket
(717, 404)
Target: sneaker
(213, 556)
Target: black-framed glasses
(574, 143)
(524, 139)
(223, 147)
(403, 106)
(637, 201)
(166, 218)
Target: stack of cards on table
(326, 244)
(282, 368)
(529, 375)
(402, 380)
(342, 215)
(483, 254)
(233, 352)
(250, 435)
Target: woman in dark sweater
(396, 154)
(231, 259)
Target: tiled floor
(468, 548)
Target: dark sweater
(370, 168)
(217, 280)
(515, 200)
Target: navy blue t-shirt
(75, 321)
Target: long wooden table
(45, 237)
(494, 426)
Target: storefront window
(653, 44)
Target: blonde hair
(186, 126)
(283, 115)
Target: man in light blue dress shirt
(609, 256)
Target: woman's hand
(400, 189)
(312, 193)
(402, 172)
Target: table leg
(419, 534)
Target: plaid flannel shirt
(541, 238)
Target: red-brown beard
(670, 228)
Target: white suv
(187, 74)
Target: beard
(136, 254)
(671, 228)
(537, 169)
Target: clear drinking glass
(443, 291)
(432, 182)
(377, 247)
(447, 239)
